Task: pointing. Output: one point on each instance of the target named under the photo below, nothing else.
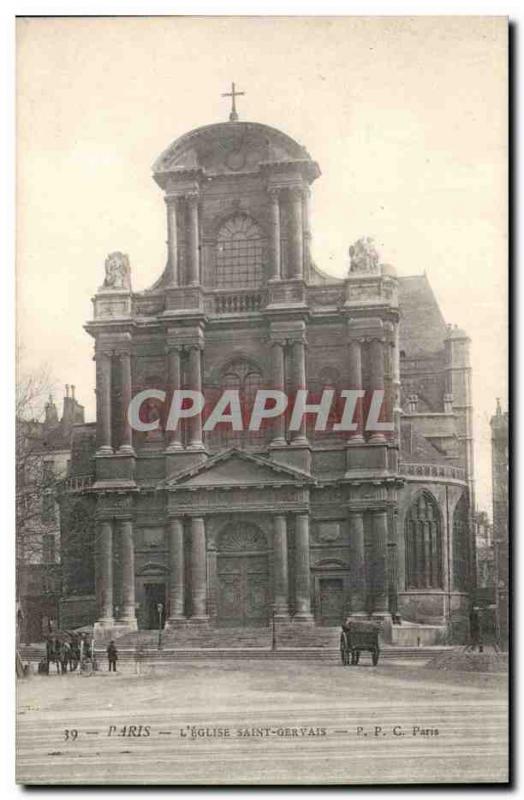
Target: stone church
(185, 528)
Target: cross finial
(233, 94)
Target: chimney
(51, 414)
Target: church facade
(189, 527)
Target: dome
(456, 333)
(232, 147)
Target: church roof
(422, 326)
(416, 448)
(230, 147)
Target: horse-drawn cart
(356, 637)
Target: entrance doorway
(242, 577)
(155, 593)
(331, 601)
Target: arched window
(239, 254)
(423, 544)
(245, 376)
(460, 546)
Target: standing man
(112, 656)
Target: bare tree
(36, 481)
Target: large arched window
(239, 254)
(245, 376)
(423, 544)
(460, 546)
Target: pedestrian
(112, 656)
(65, 656)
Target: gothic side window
(423, 534)
(239, 254)
(460, 546)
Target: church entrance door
(243, 577)
(331, 595)
(155, 593)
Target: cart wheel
(375, 658)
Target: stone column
(104, 572)
(174, 378)
(274, 198)
(298, 361)
(379, 562)
(376, 356)
(127, 555)
(278, 383)
(302, 570)
(105, 403)
(126, 445)
(193, 240)
(195, 383)
(296, 233)
(357, 563)
(198, 570)
(306, 220)
(395, 355)
(172, 240)
(280, 567)
(355, 382)
(176, 570)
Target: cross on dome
(233, 94)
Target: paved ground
(257, 722)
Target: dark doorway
(331, 597)
(155, 593)
(243, 595)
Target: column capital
(193, 346)
(173, 347)
(173, 200)
(274, 193)
(355, 512)
(296, 191)
(123, 352)
(191, 198)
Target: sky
(407, 118)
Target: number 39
(70, 734)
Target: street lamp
(160, 609)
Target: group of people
(71, 650)
(67, 652)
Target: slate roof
(416, 448)
(422, 326)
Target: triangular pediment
(236, 468)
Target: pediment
(236, 468)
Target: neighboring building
(500, 477)
(44, 450)
(225, 528)
(485, 552)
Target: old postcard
(262, 408)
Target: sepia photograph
(262, 407)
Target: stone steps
(225, 638)
(151, 654)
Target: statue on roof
(118, 271)
(364, 258)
